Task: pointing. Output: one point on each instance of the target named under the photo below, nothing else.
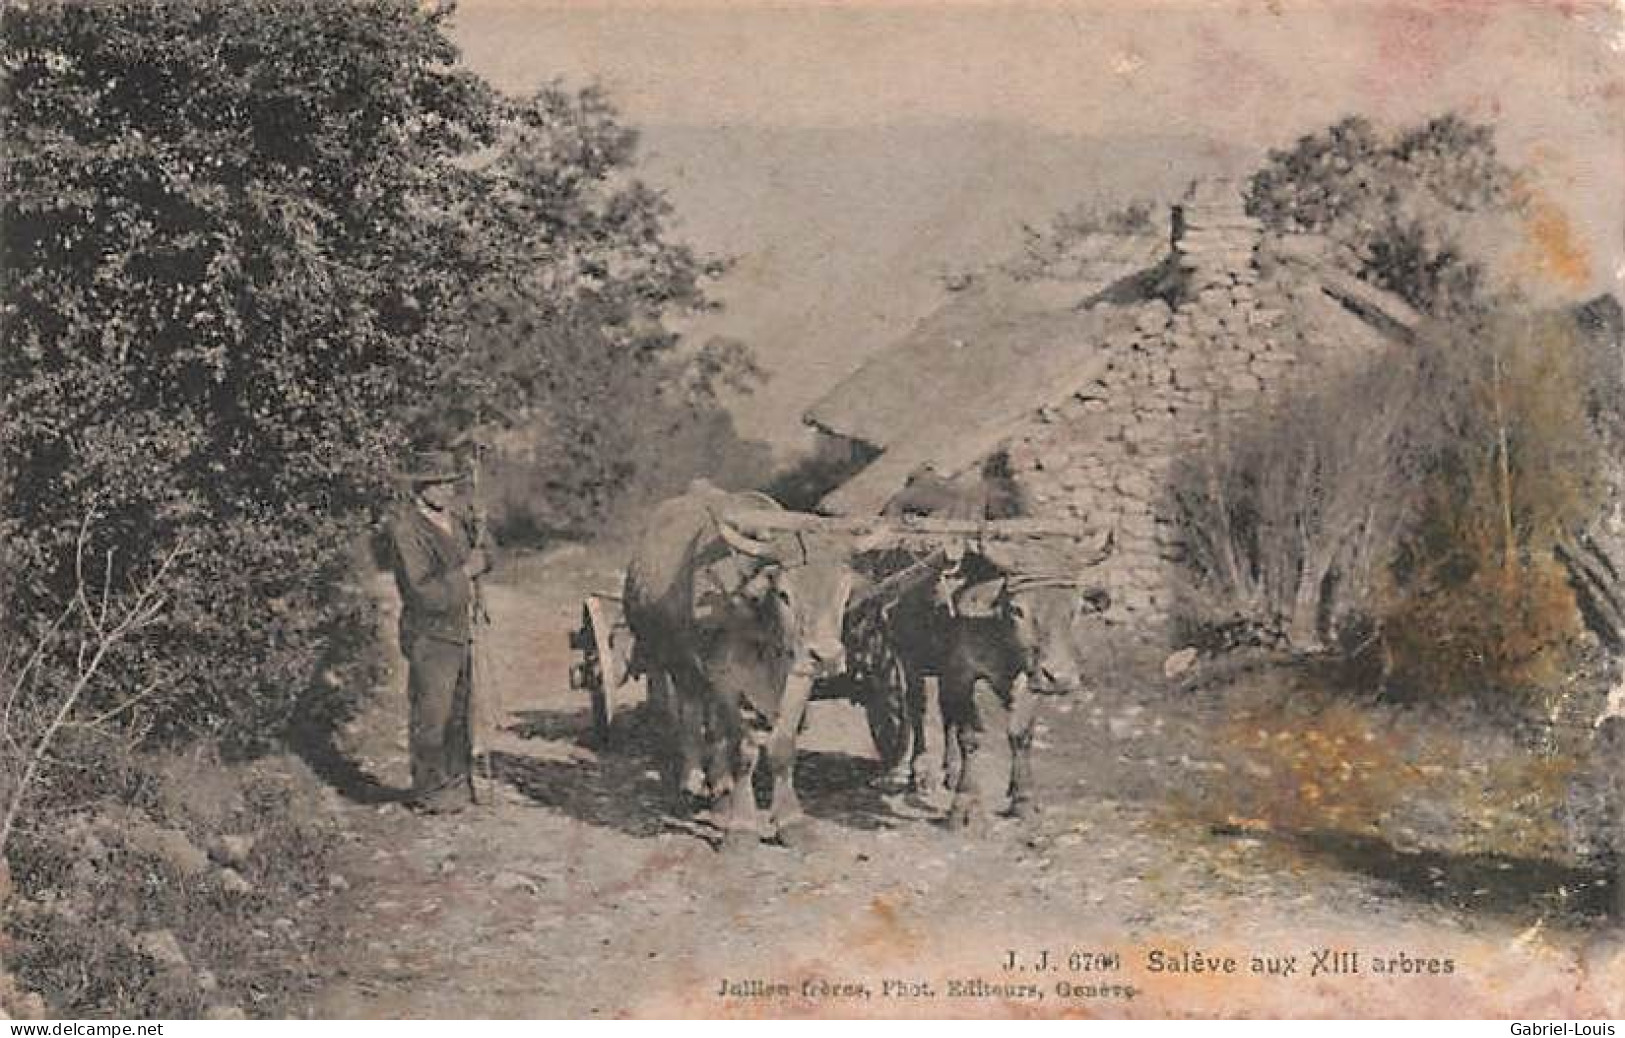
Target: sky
(1246, 75)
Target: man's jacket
(435, 592)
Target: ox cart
(898, 554)
(602, 646)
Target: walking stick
(483, 709)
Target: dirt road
(572, 893)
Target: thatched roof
(1093, 262)
(970, 375)
(959, 384)
(1315, 255)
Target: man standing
(436, 562)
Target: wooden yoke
(1082, 545)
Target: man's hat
(432, 467)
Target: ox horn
(1017, 582)
(742, 542)
(873, 540)
(1003, 556)
(1096, 548)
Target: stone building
(1091, 385)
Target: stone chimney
(1213, 236)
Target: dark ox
(1013, 636)
(1004, 623)
(919, 624)
(732, 631)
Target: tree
(1411, 207)
(226, 238)
(252, 249)
(1478, 597)
(568, 324)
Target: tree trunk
(1303, 626)
(1509, 545)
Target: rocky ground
(1215, 849)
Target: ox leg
(785, 817)
(964, 718)
(687, 736)
(953, 755)
(897, 778)
(665, 709)
(926, 723)
(737, 806)
(718, 752)
(1019, 727)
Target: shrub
(662, 447)
(1477, 597)
(223, 223)
(255, 250)
(1289, 517)
(1421, 500)
(623, 432)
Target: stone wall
(1232, 336)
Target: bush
(662, 447)
(257, 250)
(626, 431)
(1477, 598)
(261, 248)
(1419, 503)
(1289, 518)
(223, 222)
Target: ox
(1004, 623)
(732, 631)
(920, 623)
(1013, 635)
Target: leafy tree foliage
(253, 250)
(1404, 204)
(1477, 596)
(566, 326)
(575, 271)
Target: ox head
(1038, 609)
(800, 592)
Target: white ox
(737, 629)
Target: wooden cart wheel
(599, 661)
(885, 707)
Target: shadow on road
(316, 746)
(1516, 888)
(612, 791)
(619, 784)
(573, 726)
(839, 788)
